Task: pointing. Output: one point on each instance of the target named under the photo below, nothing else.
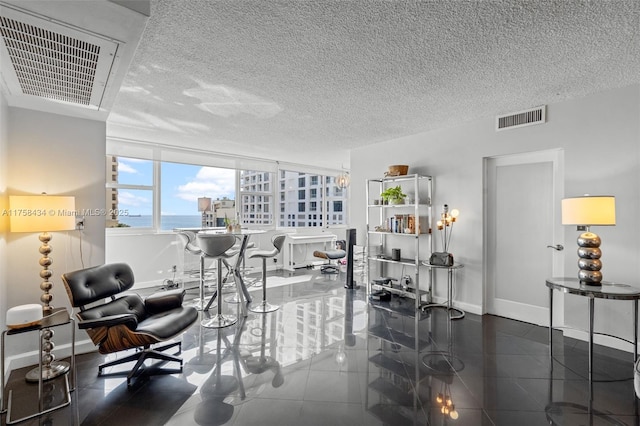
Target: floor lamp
(44, 213)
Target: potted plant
(393, 195)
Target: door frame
(556, 157)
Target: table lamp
(589, 211)
(44, 213)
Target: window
(314, 199)
(255, 200)
(180, 187)
(163, 195)
(132, 186)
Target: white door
(523, 193)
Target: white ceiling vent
(522, 118)
(54, 60)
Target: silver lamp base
(56, 369)
(589, 262)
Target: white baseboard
(607, 341)
(467, 307)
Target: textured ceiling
(306, 81)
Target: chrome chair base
(263, 307)
(219, 321)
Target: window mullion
(157, 190)
(323, 208)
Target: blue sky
(181, 186)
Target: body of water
(168, 222)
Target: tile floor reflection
(327, 357)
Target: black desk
(608, 290)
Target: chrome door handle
(557, 247)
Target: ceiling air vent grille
(49, 64)
(43, 59)
(522, 118)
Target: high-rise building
(255, 198)
(112, 193)
(301, 196)
(220, 210)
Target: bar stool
(278, 242)
(215, 246)
(190, 246)
(188, 239)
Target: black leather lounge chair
(127, 321)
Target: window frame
(155, 197)
(275, 187)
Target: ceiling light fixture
(343, 180)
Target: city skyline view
(286, 198)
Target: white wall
(4, 223)
(58, 155)
(600, 135)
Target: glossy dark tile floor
(326, 357)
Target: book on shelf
(405, 224)
(401, 224)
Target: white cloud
(129, 199)
(209, 182)
(126, 168)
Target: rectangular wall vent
(522, 118)
(53, 60)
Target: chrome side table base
(450, 309)
(449, 305)
(59, 317)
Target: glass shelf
(398, 205)
(403, 261)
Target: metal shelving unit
(389, 224)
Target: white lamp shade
(42, 213)
(589, 210)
